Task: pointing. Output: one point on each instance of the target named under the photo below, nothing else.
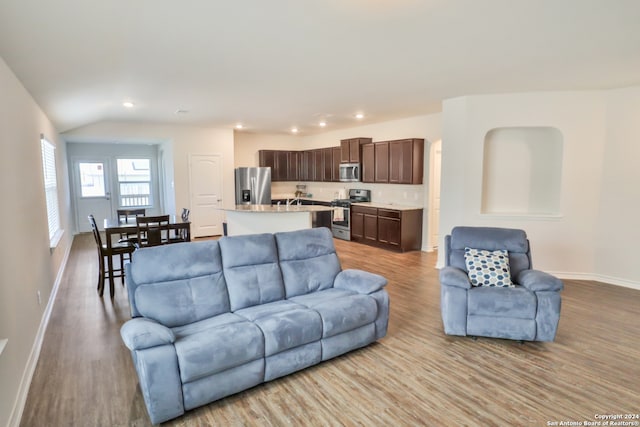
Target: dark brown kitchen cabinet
(389, 230)
(368, 163)
(267, 159)
(406, 161)
(322, 164)
(364, 224)
(293, 165)
(350, 149)
(318, 165)
(381, 162)
(357, 224)
(335, 158)
(327, 164)
(395, 229)
(285, 165)
(393, 162)
(307, 166)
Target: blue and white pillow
(488, 268)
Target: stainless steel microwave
(349, 172)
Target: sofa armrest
(359, 281)
(453, 276)
(141, 333)
(536, 280)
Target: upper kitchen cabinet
(406, 161)
(393, 162)
(381, 162)
(293, 165)
(283, 164)
(336, 155)
(306, 165)
(350, 149)
(368, 163)
(267, 159)
(327, 164)
(318, 164)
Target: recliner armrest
(141, 333)
(359, 281)
(453, 276)
(536, 280)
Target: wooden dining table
(114, 229)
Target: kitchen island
(252, 219)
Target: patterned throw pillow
(488, 268)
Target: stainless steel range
(341, 214)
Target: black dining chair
(122, 250)
(128, 216)
(153, 230)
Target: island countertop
(278, 208)
(390, 206)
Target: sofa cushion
(284, 324)
(340, 312)
(517, 302)
(180, 283)
(251, 270)
(308, 260)
(488, 268)
(184, 301)
(216, 345)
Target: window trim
(50, 187)
(150, 182)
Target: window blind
(51, 189)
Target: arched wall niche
(522, 171)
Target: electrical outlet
(39, 298)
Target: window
(51, 190)
(134, 182)
(92, 179)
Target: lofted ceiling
(273, 65)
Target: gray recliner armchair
(529, 310)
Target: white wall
(177, 143)
(27, 265)
(617, 253)
(566, 244)
(426, 126)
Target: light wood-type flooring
(414, 376)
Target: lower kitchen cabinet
(395, 229)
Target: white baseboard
(617, 281)
(597, 278)
(27, 375)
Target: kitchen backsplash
(411, 195)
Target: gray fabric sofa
(213, 318)
(529, 311)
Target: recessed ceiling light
(322, 124)
(359, 116)
(294, 130)
(127, 104)
(239, 126)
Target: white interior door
(205, 181)
(92, 193)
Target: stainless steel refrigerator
(253, 186)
